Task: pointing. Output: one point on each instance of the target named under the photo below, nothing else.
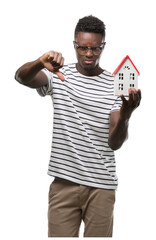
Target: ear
(74, 44)
(103, 46)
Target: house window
(120, 86)
(132, 76)
(120, 76)
(131, 85)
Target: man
(89, 124)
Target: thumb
(60, 75)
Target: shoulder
(68, 68)
(107, 75)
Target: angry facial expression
(88, 64)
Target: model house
(125, 77)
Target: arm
(119, 120)
(30, 74)
(118, 131)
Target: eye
(95, 48)
(83, 48)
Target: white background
(30, 28)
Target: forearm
(26, 73)
(118, 134)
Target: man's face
(89, 62)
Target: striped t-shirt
(82, 105)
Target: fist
(53, 61)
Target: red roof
(116, 70)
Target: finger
(56, 60)
(60, 75)
(51, 56)
(123, 99)
(62, 62)
(130, 91)
(59, 57)
(139, 93)
(139, 96)
(136, 99)
(53, 59)
(56, 54)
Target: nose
(89, 53)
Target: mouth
(88, 62)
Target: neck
(89, 71)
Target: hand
(53, 61)
(128, 106)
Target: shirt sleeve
(47, 89)
(117, 105)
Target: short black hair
(90, 24)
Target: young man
(89, 124)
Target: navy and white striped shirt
(82, 105)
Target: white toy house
(125, 77)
